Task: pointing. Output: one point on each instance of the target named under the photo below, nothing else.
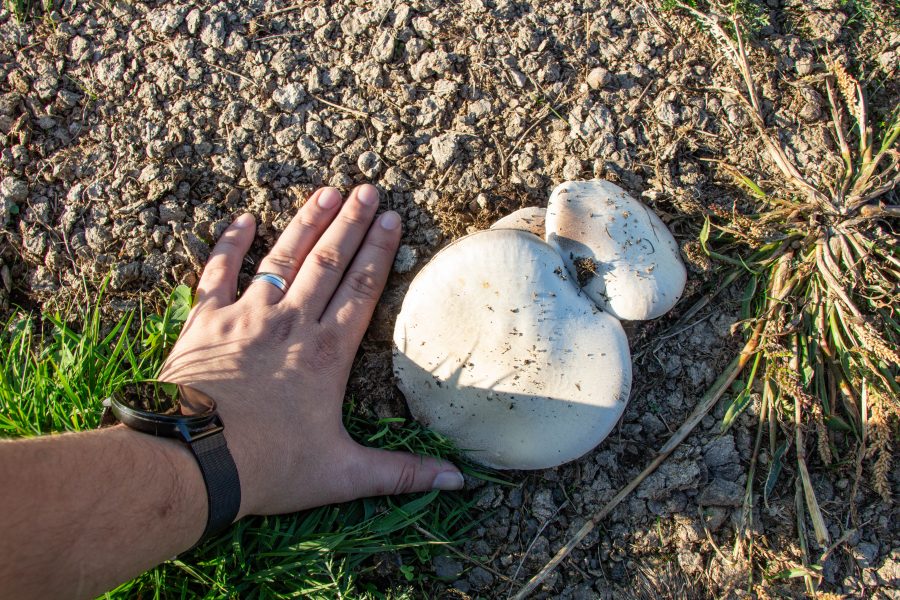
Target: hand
(277, 364)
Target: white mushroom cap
(530, 219)
(496, 349)
(618, 250)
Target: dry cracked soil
(132, 132)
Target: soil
(132, 133)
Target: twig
(843, 539)
(459, 553)
(812, 505)
(230, 72)
(864, 427)
(515, 147)
(801, 537)
(534, 540)
(747, 509)
(276, 36)
(352, 111)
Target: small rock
(826, 25)
(259, 173)
(196, 248)
(166, 19)
(691, 562)
(193, 20)
(598, 77)
(722, 493)
(889, 572)
(383, 46)
(213, 31)
(573, 167)
(588, 120)
(480, 578)
(542, 505)
(309, 150)
(406, 259)
(289, 97)
(124, 274)
(652, 424)
(444, 149)
(446, 567)
(713, 517)
(13, 190)
(369, 164)
(667, 114)
(668, 478)
(866, 553)
(720, 452)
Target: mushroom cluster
(509, 340)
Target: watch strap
(223, 488)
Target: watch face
(165, 398)
(151, 396)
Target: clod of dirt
(585, 269)
(620, 252)
(511, 361)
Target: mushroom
(498, 350)
(530, 219)
(620, 253)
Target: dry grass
(829, 252)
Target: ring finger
(294, 244)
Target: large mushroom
(620, 252)
(512, 346)
(498, 350)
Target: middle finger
(294, 244)
(324, 268)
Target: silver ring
(273, 278)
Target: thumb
(383, 472)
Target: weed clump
(822, 291)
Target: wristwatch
(187, 414)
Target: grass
(23, 10)
(822, 268)
(753, 13)
(55, 371)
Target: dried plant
(832, 338)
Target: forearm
(84, 512)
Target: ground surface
(132, 133)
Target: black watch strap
(204, 434)
(223, 488)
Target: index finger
(218, 283)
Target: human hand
(277, 364)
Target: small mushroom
(498, 350)
(530, 219)
(620, 253)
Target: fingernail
(448, 480)
(389, 220)
(368, 195)
(243, 221)
(329, 198)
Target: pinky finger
(218, 284)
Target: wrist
(174, 473)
